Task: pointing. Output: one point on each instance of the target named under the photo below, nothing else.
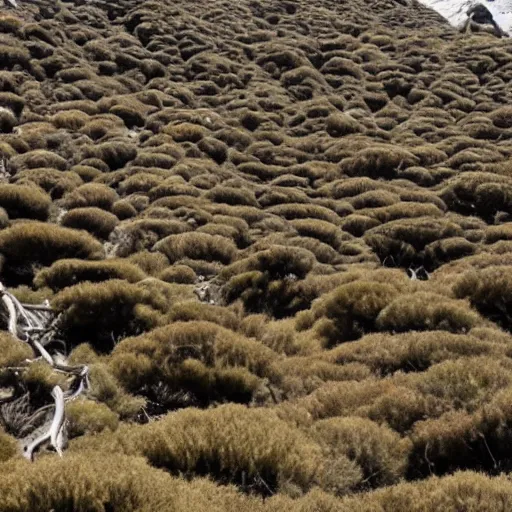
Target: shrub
(39, 158)
(123, 209)
(64, 273)
(260, 295)
(417, 232)
(334, 399)
(25, 246)
(115, 154)
(495, 233)
(54, 182)
(7, 120)
(465, 383)
(410, 351)
(351, 310)
(39, 379)
(339, 125)
(152, 263)
(490, 291)
(154, 159)
(377, 450)
(96, 163)
(278, 195)
(427, 311)
(357, 225)
(178, 274)
(480, 193)
(198, 358)
(468, 490)
(323, 253)
(10, 23)
(90, 194)
(193, 310)
(91, 482)
(101, 313)
(131, 115)
(105, 388)
(374, 199)
(449, 249)
(403, 210)
(71, 120)
(12, 56)
(224, 443)
(24, 201)
(319, 229)
(267, 281)
(501, 117)
(183, 132)
(304, 211)
(13, 102)
(215, 149)
(140, 234)
(94, 220)
(197, 246)
(378, 161)
(279, 262)
(12, 351)
(8, 446)
(88, 417)
(172, 187)
(232, 196)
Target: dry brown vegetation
(226, 202)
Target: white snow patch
(455, 11)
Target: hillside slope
(279, 235)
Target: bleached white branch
(37, 325)
(58, 420)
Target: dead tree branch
(37, 325)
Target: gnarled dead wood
(53, 434)
(37, 325)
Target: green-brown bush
(91, 482)
(178, 274)
(54, 182)
(29, 245)
(22, 201)
(89, 417)
(39, 158)
(411, 351)
(422, 311)
(197, 246)
(67, 272)
(198, 358)
(378, 161)
(377, 450)
(115, 154)
(351, 310)
(96, 221)
(90, 194)
(223, 443)
(101, 313)
(490, 291)
(13, 353)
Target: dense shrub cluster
(279, 235)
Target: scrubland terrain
(222, 200)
